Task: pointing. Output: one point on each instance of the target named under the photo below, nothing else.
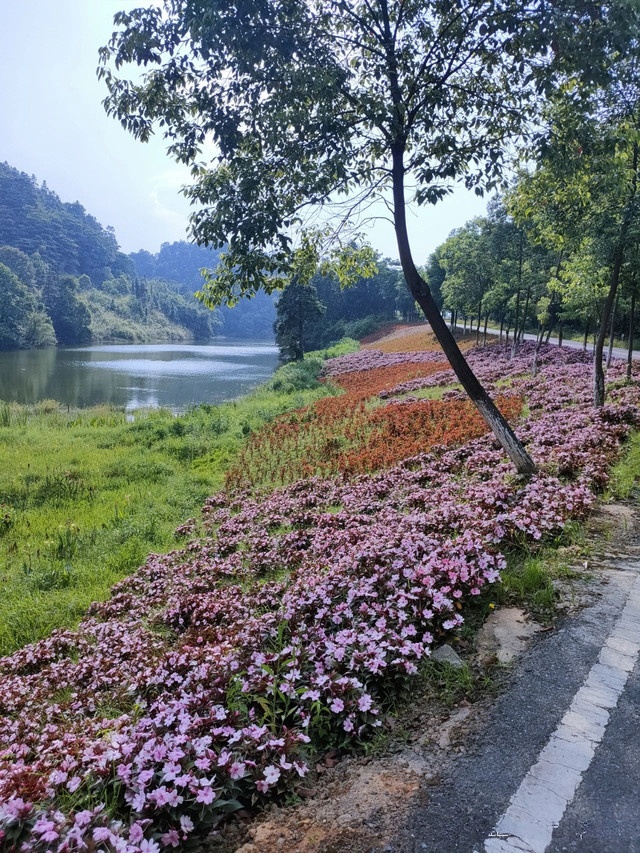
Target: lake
(134, 376)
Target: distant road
(618, 352)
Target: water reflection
(138, 375)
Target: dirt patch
(357, 806)
(617, 528)
(504, 635)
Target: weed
(625, 475)
(7, 518)
(5, 414)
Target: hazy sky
(53, 126)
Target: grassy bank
(86, 495)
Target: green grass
(625, 475)
(528, 579)
(86, 495)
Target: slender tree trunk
(524, 313)
(632, 320)
(501, 327)
(478, 326)
(484, 332)
(586, 336)
(421, 293)
(560, 330)
(514, 346)
(300, 348)
(611, 328)
(598, 371)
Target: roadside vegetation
(286, 620)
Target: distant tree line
(316, 314)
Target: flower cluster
(200, 684)
(343, 435)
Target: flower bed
(335, 434)
(204, 680)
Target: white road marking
(538, 805)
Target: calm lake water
(134, 376)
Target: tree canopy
(309, 102)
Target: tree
(306, 101)
(16, 308)
(470, 269)
(70, 317)
(583, 196)
(297, 308)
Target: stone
(445, 654)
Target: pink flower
(186, 824)
(365, 702)
(170, 839)
(136, 833)
(271, 774)
(74, 783)
(238, 769)
(206, 796)
(102, 833)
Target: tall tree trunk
(632, 320)
(421, 293)
(501, 327)
(534, 371)
(514, 346)
(598, 371)
(611, 328)
(586, 336)
(618, 257)
(560, 330)
(484, 331)
(524, 313)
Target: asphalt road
(618, 352)
(466, 811)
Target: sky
(53, 126)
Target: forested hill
(180, 264)
(64, 280)
(65, 236)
